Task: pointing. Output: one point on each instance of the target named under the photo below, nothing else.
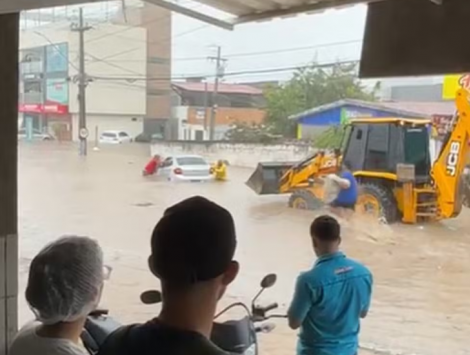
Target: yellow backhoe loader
(390, 158)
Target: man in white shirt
(64, 286)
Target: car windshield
(109, 135)
(190, 161)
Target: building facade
(234, 104)
(121, 54)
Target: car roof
(188, 156)
(113, 131)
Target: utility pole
(219, 73)
(82, 80)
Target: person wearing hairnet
(64, 286)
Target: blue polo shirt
(328, 301)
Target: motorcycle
(233, 336)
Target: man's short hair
(325, 228)
(195, 241)
(347, 165)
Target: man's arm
(342, 182)
(367, 297)
(300, 304)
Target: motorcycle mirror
(269, 281)
(151, 297)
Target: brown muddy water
(421, 272)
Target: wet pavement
(421, 272)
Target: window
(191, 161)
(355, 145)
(167, 162)
(158, 60)
(158, 92)
(377, 148)
(109, 135)
(32, 87)
(123, 134)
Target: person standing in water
(331, 298)
(347, 197)
(220, 171)
(152, 166)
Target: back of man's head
(347, 166)
(194, 242)
(326, 230)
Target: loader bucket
(267, 176)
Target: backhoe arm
(448, 168)
(315, 166)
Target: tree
(311, 87)
(242, 132)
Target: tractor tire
(379, 201)
(305, 200)
(466, 191)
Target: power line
(252, 54)
(238, 73)
(58, 50)
(276, 51)
(128, 28)
(161, 42)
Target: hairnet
(65, 280)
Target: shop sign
(47, 109)
(452, 83)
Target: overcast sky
(326, 37)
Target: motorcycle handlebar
(269, 307)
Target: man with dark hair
(331, 298)
(347, 196)
(193, 246)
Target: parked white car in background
(185, 168)
(115, 137)
(37, 135)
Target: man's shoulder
(358, 267)
(154, 338)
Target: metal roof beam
(194, 14)
(13, 6)
(317, 6)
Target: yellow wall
(452, 83)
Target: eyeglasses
(107, 270)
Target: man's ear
(231, 273)
(150, 262)
(339, 241)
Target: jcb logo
(453, 158)
(329, 163)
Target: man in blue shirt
(331, 298)
(347, 196)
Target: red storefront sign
(55, 109)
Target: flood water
(421, 273)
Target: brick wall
(227, 115)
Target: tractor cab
(374, 147)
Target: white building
(112, 101)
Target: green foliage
(311, 87)
(331, 138)
(242, 132)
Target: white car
(185, 168)
(115, 137)
(37, 135)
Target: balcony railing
(31, 67)
(31, 98)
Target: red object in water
(152, 167)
